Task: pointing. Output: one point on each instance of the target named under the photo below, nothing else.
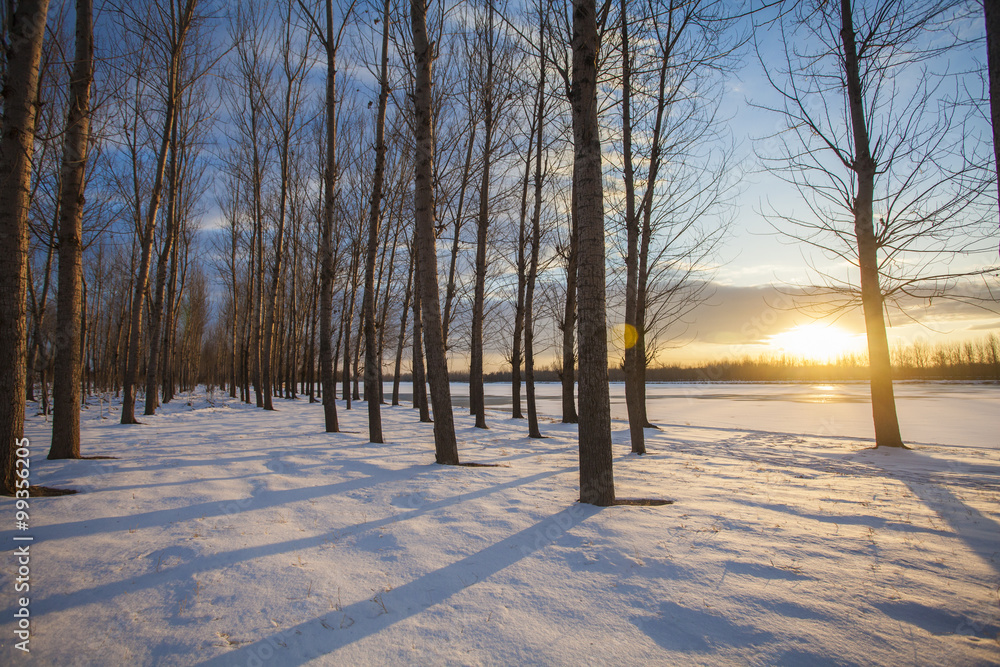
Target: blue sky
(759, 264)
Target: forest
(305, 199)
(341, 332)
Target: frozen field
(225, 535)
(941, 413)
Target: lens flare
(625, 336)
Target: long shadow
(226, 506)
(337, 629)
(979, 532)
(179, 482)
(825, 436)
(929, 478)
(919, 468)
(846, 519)
(185, 571)
(373, 475)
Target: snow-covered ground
(226, 535)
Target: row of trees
(973, 360)
(529, 141)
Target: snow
(226, 535)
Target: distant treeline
(971, 360)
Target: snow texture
(226, 535)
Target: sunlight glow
(817, 343)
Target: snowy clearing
(226, 535)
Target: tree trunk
(347, 323)
(267, 350)
(450, 288)
(596, 475)
(153, 367)
(883, 401)
(86, 378)
(630, 334)
(646, 233)
(522, 281)
(20, 109)
(373, 369)
(992, 11)
(257, 352)
(69, 345)
(385, 273)
(477, 400)
(569, 415)
(235, 318)
(402, 333)
(445, 445)
(170, 322)
(356, 361)
(38, 306)
(417, 372)
(536, 241)
(309, 354)
(326, 233)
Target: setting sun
(817, 342)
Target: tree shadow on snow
(169, 572)
(680, 628)
(302, 643)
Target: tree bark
(153, 365)
(450, 288)
(170, 322)
(373, 369)
(883, 401)
(347, 322)
(445, 445)
(69, 345)
(477, 400)
(516, 357)
(569, 415)
(27, 31)
(417, 372)
(991, 9)
(536, 241)
(630, 334)
(326, 233)
(386, 272)
(256, 351)
(38, 306)
(236, 298)
(596, 475)
(400, 342)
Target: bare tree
(991, 9)
(23, 53)
(66, 386)
(877, 172)
(177, 20)
(284, 119)
(418, 367)
(671, 57)
(445, 445)
(597, 485)
(331, 43)
(521, 266)
(495, 95)
(538, 125)
(372, 363)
